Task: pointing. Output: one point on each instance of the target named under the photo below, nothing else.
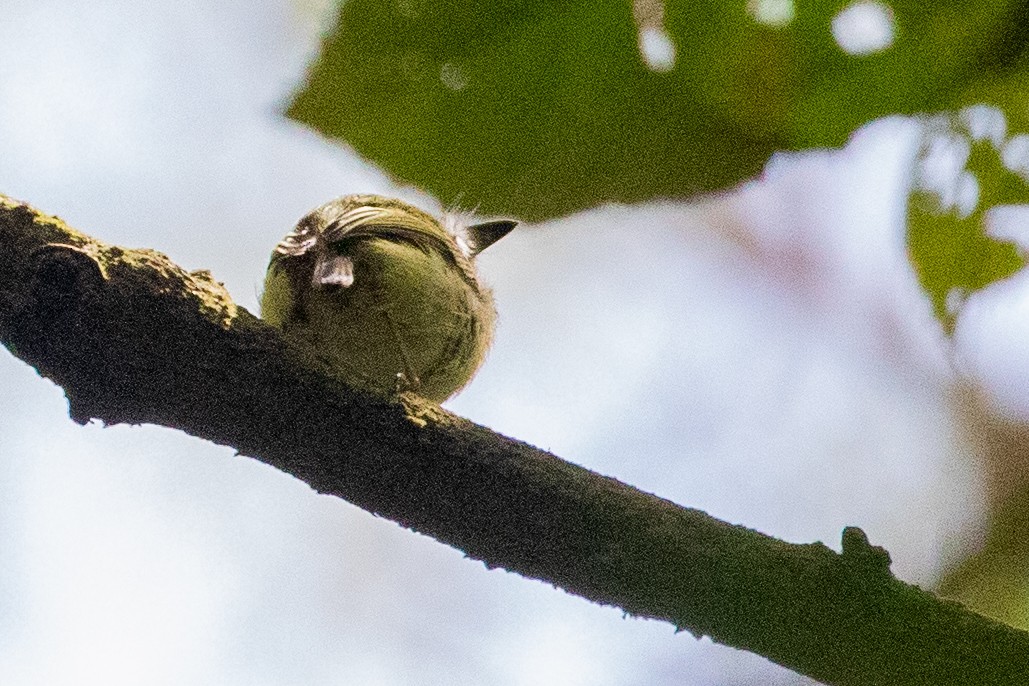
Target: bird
(385, 294)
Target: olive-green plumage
(385, 294)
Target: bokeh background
(766, 355)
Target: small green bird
(385, 294)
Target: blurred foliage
(535, 109)
(994, 580)
(969, 167)
(538, 109)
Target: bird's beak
(486, 234)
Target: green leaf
(538, 109)
(949, 239)
(994, 580)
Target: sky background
(765, 356)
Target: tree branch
(133, 339)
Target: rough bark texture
(134, 339)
